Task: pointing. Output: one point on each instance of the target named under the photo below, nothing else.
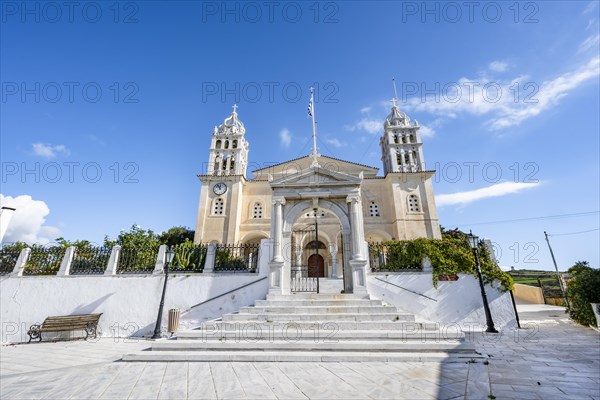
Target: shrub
(583, 288)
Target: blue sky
(507, 96)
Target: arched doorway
(316, 266)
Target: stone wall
(129, 303)
(453, 302)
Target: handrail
(226, 293)
(412, 291)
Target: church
(319, 211)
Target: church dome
(397, 118)
(232, 125)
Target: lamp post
(474, 243)
(169, 257)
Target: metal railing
(390, 258)
(8, 260)
(188, 258)
(137, 260)
(90, 261)
(44, 261)
(236, 258)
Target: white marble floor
(553, 358)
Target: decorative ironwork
(188, 257)
(8, 260)
(301, 279)
(90, 261)
(140, 260)
(236, 257)
(44, 261)
(385, 257)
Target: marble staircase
(313, 327)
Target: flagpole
(314, 126)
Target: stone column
(113, 261)
(277, 222)
(358, 262)
(276, 264)
(65, 265)
(211, 257)
(299, 263)
(333, 250)
(21, 261)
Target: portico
(337, 194)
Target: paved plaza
(553, 358)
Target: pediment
(316, 176)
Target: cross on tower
(235, 106)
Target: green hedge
(448, 256)
(583, 288)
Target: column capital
(353, 198)
(276, 200)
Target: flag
(310, 106)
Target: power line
(532, 218)
(573, 233)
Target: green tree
(136, 237)
(176, 235)
(583, 288)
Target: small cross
(235, 108)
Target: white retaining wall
(129, 303)
(454, 302)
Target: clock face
(220, 188)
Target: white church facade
(318, 202)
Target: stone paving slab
(553, 358)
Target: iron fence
(188, 257)
(236, 257)
(8, 260)
(90, 261)
(140, 260)
(44, 261)
(391, 257)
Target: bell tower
(229, 148)
(401, 146)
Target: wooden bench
(85, 322)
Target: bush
(583, 288)
(448, 256)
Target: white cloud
(285, 138)
(498, 66)
(496, 190)
(28, 221)
(367, 125)
(591, 42)
(428, 130)
(335, 142)
(506, 109)
(366, 110)
(50, 151)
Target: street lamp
(474, 243)
(168, 258)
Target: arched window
(257, 211)
(234, 144)
(395, 138)
(406, 158)
(374, 209)
(227, 144)
(232, 164)
(217, 162)
(218, 144)
(218, 206)
(413, 203)
(224, 163)
(412, 139)
(403, 139)
(399, 158)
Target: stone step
(327, 326)
(310, 345)
(291, 333)
(321, 303)
(299, 356)
(317, 296)
(319, 310)
(318, 317)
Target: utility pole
(562, 288)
